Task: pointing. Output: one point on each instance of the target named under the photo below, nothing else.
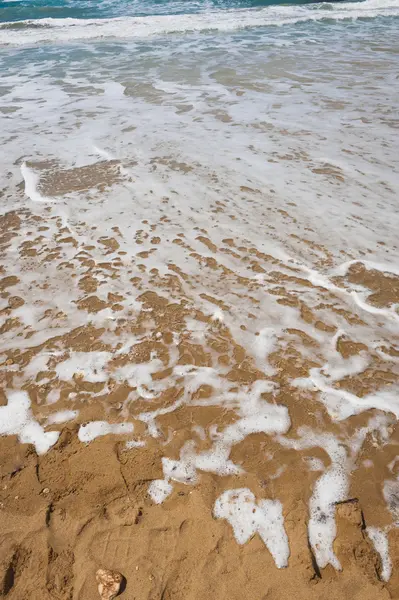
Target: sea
(203, 196)
(260, 92)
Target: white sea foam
(53, 396)
(88, 365)
(139, 375)
(149, 418)
(314, 464)
(333, 485)
(379, 537)
(134, 444)
(62, 30)
(247, 517)
(391, 494)
(31, 184)
(159, 490)
(343, 269)
(218, 315)
(16, 419)
(340, 403)
(62, 416)
(256, 416)
(264, 344)
(91, 431)
(389, 313)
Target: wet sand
(93, 331)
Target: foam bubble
(16, 419)
(391, 494)
(88, 365)
(53, 396)
(340, 403)
(89, 432)
(247, 517)
(330, 488)
(134, 444)
(333, 485)
(31, 185)
(379, 538)
(180, 470)
(343, 268)
(314, 464)
(62, 416)
(159, 490)
(257, 416)
(218, 315)
(139, 375)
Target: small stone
(45, 491)
(109, 583)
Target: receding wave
(18, 25)
(64, 30)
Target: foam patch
(89, 432)
(247, 517)
(16, 419)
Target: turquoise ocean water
(78, 75)
(255, 93)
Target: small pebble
(109, 583)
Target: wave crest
(64, 30)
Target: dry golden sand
(78, 507)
